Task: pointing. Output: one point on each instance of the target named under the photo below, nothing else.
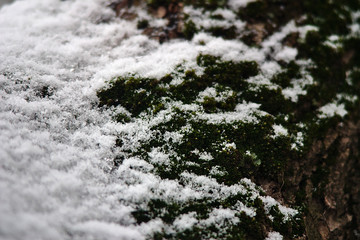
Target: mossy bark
(323, 180)
(329, 179)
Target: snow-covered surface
(332, 109)
(274, 236)
(55, 151)
(270, 202)
(236, 4)
(279, 130)
(57, 146)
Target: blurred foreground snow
(54, 145)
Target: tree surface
(165, 119)
(303, 147)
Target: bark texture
(325, 181)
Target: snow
(337, 106)
(202, 19)
(299, 141)
(279, 130)
(55, 151)
(185, 221)
(270, 202)
(331, 109)
(219, 215)
(103, 230)
(246, 112)
(218, 96)
(274, 236)
(236, 4)
(299, 85)
(286, 54)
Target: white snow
(203, 19)
(299, 141)
(219, 215)
(270, 202)
(337, 106)
(279, 130)
(331, 109)
(286, 54)
(274, 236)
(236, 4)
(206, 156)
(246, 112)
(185, 221)
(228, 146)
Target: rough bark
(326, 179)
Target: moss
(142, 24)
(122, 118)
(271, 100)
(209, 104)
(246, 228)
(272, 14)
(141, 94)
(189, 29)
(207, 4)
(217, 17)
(132, 93)
(159, 3)
(226, 33)
(331, 16)
(269, 154)
(283, 79)
(229, 74)
(44, 91)
(256, 153)
(329, 71)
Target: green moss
(255, 152)
(142, 24)
(283, 79)
(226, 33)
(122, 118)
(271, 100)
(329, 70)
(209, 104)
(159, 3)
(333, 17)
(229, 74)
(273, 14)
(133, 94)
(246, 228)
(189, 29)
(207, 4)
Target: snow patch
(331, 109)
(274, 236)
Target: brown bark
(333, 204)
